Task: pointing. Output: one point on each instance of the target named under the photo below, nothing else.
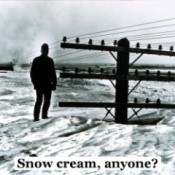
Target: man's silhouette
(43, 77)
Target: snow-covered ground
(81, 132)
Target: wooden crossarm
(87, 76)
(113, 77)
(116, 49)
(114, 105)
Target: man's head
(45, 49)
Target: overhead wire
(130, 30)
(30, 54)
(82, 58)
(114, 29)
(119, 28)
(133, 30)
(152, 38)
(73, 52)
(144, 35)
(87, 55)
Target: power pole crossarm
(116, 49)
(118, 105)
(113, 77)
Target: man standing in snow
(43, 77)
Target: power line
(145, 35)
(130, 26)
(151, 38)
(164, 43)
(53, 45)
(87, 56)
(82, 58)
(79, 56)
(120, 29)
(69, 53)
(134, 30)
(60, 51)
(153, 22)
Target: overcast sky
(25, 26)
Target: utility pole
(122, 77)
(122, 82)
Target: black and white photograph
(88, 85)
